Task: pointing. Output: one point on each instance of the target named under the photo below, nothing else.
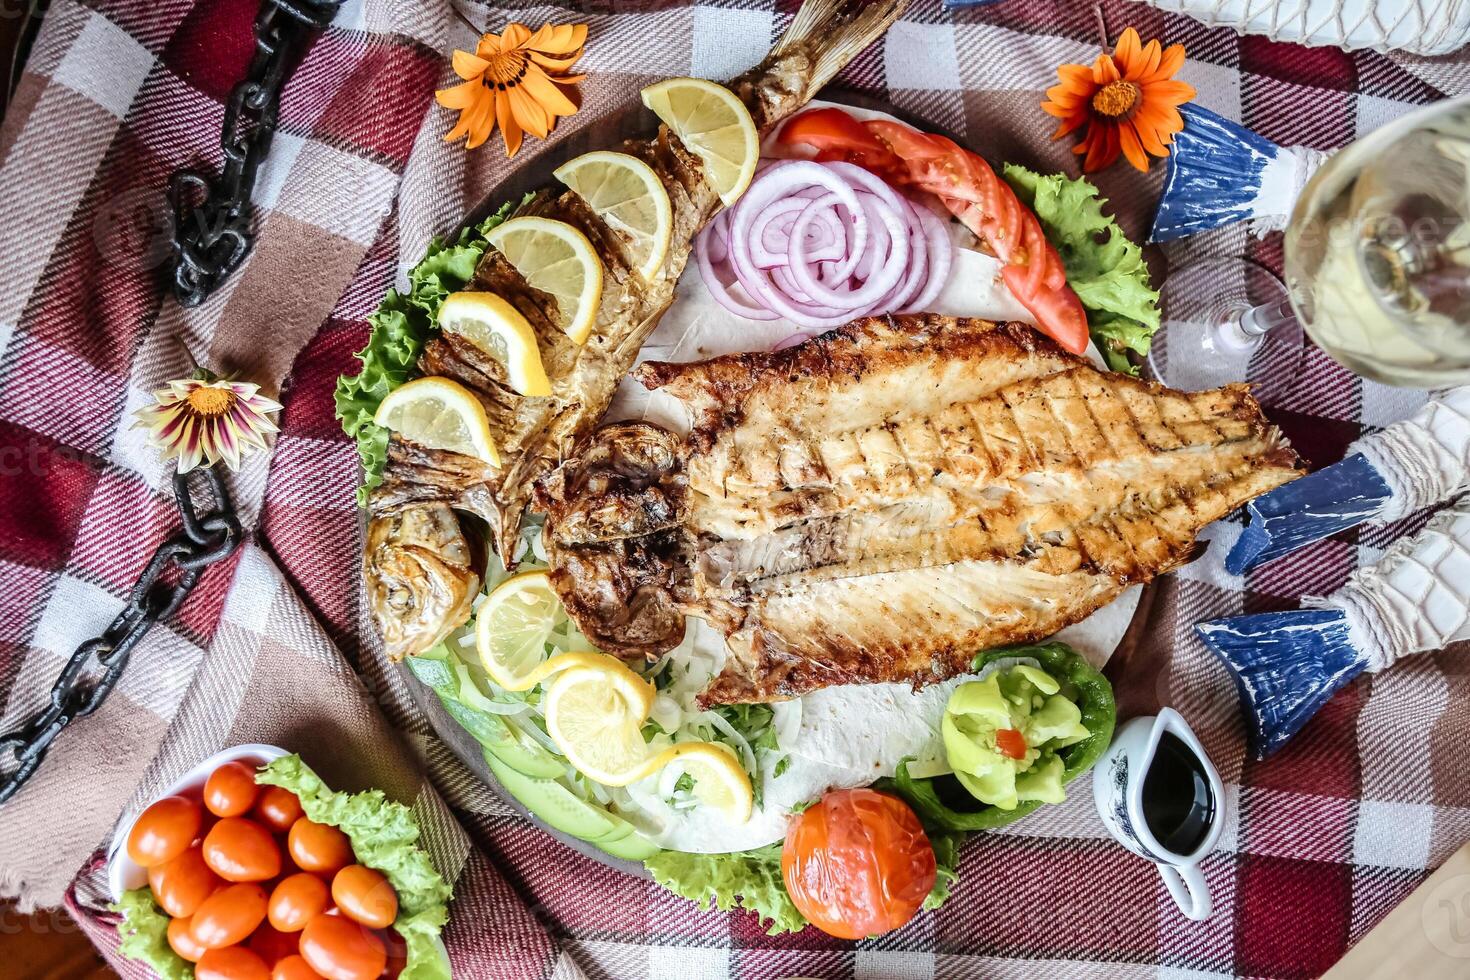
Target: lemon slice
(440, 414)
(512, 627)
(719, 779)
(594, 715)
(498, 329)
(558, 259)
(627, 194)
(715, 125)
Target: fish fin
(834, 32)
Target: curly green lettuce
(143, 929)
(944, 805)
(747, 879)
(1104, 268)
(384, 836)
(401, 325)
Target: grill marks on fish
(536, 434)
(884, 501)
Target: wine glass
(1226, 320)
(1377, 259)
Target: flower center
(211, 402)
(1116, 99)
(506, 69)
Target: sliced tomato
(972, 192)
(1011, 743)
(835, 135)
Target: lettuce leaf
(1104, 268)
(947, 862)
(401, 325)
(384, 836)
(144, 933)
(747, 879)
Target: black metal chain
(93, 670)
(211, 234)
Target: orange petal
(489, 44)
(461, 125)
(1104, 150)
(1147, 63)
(1060, 111)
(510, 131)
(514, 36)
(1132, 148)
(1148, 137)
(1169, 92)
(460, 96)
(558, 39)
(1171, 61)
(1077, 78)
(1126, 54)
(532, 118)
(539, 87)
(1104, 70)
(1062, 95)
(469, 66)
(556, 64)
(1068, 124)
(482, 124)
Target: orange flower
(1128, 101)
(513, 79)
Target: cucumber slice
(525, 756)
(633, 847)
(557, 806)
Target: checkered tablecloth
(1320, 842)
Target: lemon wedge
(440, 414)
(719, 779)
(714, 124)
(497, 328)
(594, 714)
(555, 258)
(627, 194)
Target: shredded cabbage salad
(651, 804)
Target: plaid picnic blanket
(1321, 841)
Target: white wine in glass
(1378, 251)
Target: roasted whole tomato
(857, 863)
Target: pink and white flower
(205, 419)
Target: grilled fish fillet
(886, 500)
(535, 434)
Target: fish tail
(1286, 665)
(1216, 173)
(832, 32)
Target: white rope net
(1426, 27)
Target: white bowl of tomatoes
(251, 888)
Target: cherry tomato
(340, 949)
(229, 915)
(271, 944)
(858, 863)
(365, 896)
(1011, 743)
(231, 790)
(238, 849)
(397, 953)
(182, 940)
(231, 963)
(297, 900)
(294, 968)
(164, 830)
(277, 808)
(318, 847)
(180, 885)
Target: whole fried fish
(535, 434)
(884, 501)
